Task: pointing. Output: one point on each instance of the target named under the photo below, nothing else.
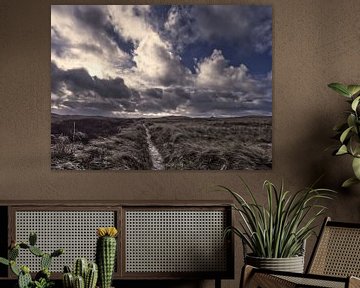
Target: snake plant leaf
(345, 134)
(279, 228)
(356, 167)
(340, 88)
(349, 182)
(342, 150)
(355, 103)
(353, 89)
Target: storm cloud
(76, 90)
(148, 61)
(246, 27)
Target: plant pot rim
(257, 257)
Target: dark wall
(314, 43)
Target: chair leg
(246, 274)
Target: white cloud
(130, 21)
(156, 62)
(262, 37)
(84, 48)
(215, 73)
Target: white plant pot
(291, 264)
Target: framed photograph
(161, 87)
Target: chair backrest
(337, 251)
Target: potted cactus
(84, 275)
(106, 254)
(42, 278)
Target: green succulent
(43, 283)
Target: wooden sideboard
(157, 240)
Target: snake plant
(348, 132)
(279, 228)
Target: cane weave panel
(175, 241)
(75, 231)
(300, 282)
(261, 280)
(338, 253)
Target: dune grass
(214, 144)
(126, 149)
(184, 143)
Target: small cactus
(24, 246)
(24, 278)
(89, 272)
(36, 251)
(25, 269)
(45, 261)
(14, 268)
(79, 282)
(4, 261)
(106, 254)
(32, 238)
(67, 269)
(80, 268)
(57, 252)
(13, 253)
(91, 276)
(68, 280)
(44, 273)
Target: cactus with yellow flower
(106, 254)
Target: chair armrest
(354, 282)
(252, 277)
(255, 277)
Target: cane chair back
(337, 252)
(335, 262)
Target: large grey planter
(291, 264)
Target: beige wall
(315, 42)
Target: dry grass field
(170, 143)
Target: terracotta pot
(291, 264)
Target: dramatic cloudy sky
(150, 61)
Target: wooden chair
(334, 263)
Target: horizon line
(152, 117)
